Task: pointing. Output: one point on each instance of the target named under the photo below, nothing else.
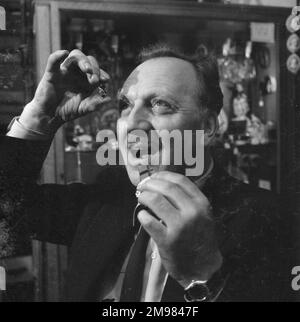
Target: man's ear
(211, 127)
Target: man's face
(160, 94)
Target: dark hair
(206, 67)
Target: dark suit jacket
(96, 221)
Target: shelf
(173, 8)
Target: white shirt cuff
(19, 131)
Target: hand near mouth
(186, 241)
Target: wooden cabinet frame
(50, 260)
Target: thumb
(55, 59)
(153, 227)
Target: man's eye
(123, 105)
(161, 106)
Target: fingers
(103, 76)
(74, 106)
(186, 184)
(152, 226)
(81, 60)
(87, 65)
(93, 103)
(55, 59)
(172, 191)
(94, 77)
(183, 194)
(159, 205)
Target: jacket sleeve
(48, 212)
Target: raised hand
(68, 89)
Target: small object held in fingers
(102, 92)
(145, 173)
(104, 76)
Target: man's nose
(139, 118)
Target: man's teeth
(140, 153)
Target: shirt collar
(199, 182)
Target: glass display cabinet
(255, 141)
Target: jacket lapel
(100, 248)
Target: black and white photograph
(149, 152)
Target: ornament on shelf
(293, 42)
(255, 129)
(236, 66)
(293, 21)
(293, 63)
(240, 107)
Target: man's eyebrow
(121, 96)
(167, 97)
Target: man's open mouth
(141, 153)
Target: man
(201, 239)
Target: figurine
(255, 128)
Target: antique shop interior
(256, 50)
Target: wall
(275, 3)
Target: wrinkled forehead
(165, 73)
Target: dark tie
(133, 279)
